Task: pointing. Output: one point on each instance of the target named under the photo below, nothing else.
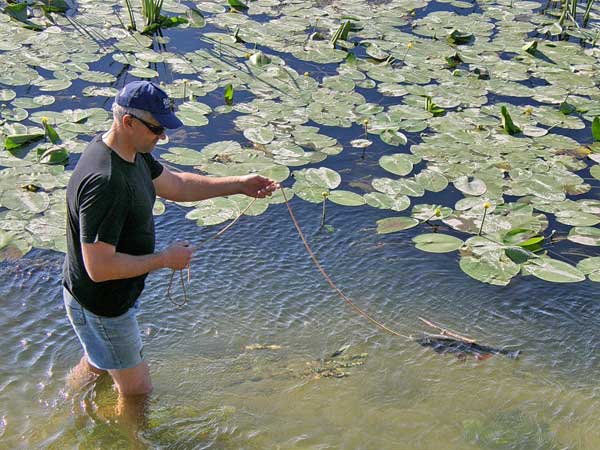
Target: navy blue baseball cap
(147, 96)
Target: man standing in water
(110, 232)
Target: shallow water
(257, 285)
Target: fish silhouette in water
(462, 349)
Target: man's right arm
(103, 262)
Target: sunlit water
(257, 286)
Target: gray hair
(120, 111)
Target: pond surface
(257, 286)
(245, 363)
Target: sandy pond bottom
(256, 286)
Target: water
(257, 285)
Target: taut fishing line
(312, 256)
(447, 341)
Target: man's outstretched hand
(257, 186)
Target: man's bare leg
(82, 374)
(133, 385)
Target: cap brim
(168, 120)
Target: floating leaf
(394, 224)
(585, 236)
(437, 242)
(399, 163)
(321, 177)
(590, 267)
(385, 201)
(346, 198)
(549, 269)
(491, 268)
(195, 17)
(393, 137)
(262, 135)
(470, 186)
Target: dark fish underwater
(444, 344)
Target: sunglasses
(157, 130)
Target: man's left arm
(189, 187)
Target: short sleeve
(103, 210)
(155, 167)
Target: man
(110, 232)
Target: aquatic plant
(425, 94)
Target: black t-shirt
(109, 200)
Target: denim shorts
(109, 342)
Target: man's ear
(126, 121)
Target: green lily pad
(585, 236)
(399, 163)
(393, 137)
(470, 185)
(193, 113)
(492, 268)
(590, 267)
(394, 224)
(346, 198)
(431, 212)
(437, 242)
(322, 177)
(7, 95)
(432, 181)
(142, 72)
(385, 201)
(549, 269)
(262, 135)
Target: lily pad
(437, 242)
(585, 236)
(346, 198)
(394, 224)
(399, 163)
(470, 185)
(549, 269)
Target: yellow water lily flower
(487, 205)
(438, 212)
(409, 45)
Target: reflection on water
(256, 285)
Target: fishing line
(439, 342)
(312, 256)
(195, 247)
